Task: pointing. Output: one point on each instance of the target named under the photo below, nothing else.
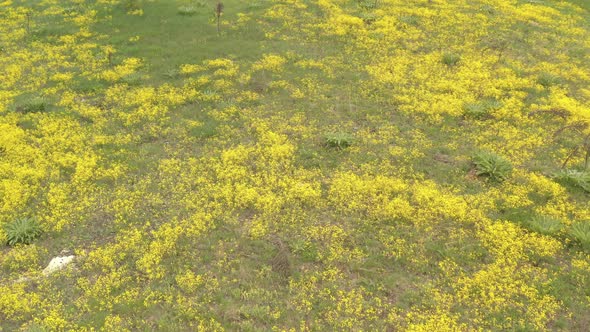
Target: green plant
(547, 79)
(22, 230)
(581, 233)
(575, 178)
(491, 165)
(544, 225)
(338, 140)
(187, 10)
(409, 19)
(451, 59)
(34, 105)
(481, 109)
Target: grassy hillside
(314, 165)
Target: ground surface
(309, 166)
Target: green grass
(168, 39)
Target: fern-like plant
(491, 165)
(22, 230)
(581, 233)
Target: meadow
(298, 165)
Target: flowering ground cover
(305, 165)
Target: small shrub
(575, 178)
(544, 225)
(451, 59)
(339, 140)
(491, 165)
(581, 233)
(22, 230)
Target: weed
(581, 232)
(482, 109)
(491, 165)
(544, 225)
(575, 178)
(547, 80)
(367, 4)
(22, 230)
(409, 20)
(451, 59)
(172, 73)
(187, 10)
(34, 105)
(338, 140)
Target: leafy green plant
(481, 109)
(581, 233)
(544, 225)
(34, 105)
(409, 20)
(547, 79)
(491, 165)
(575, 178)
(451, 59)
(22, 230)
(339, 140)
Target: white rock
(58, 263)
